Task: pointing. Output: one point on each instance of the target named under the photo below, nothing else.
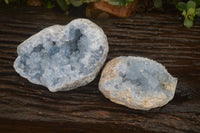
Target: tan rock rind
(109, 72)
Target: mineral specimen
(137, 83)
(63, 57)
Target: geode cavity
(137, 83)
(63, 57)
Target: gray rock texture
(137, 83)
(63, 57)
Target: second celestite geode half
(137, 83)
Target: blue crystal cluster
(63, 57)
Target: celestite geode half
(63, 57)
(137, 83)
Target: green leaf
(117, 2)
(158, 3)
(10, 1)
(197, 12)
(190, 4)
(188, 23)
(184, 13)
(50, 5)
(62, 4)
(181, 6)
(6, 1)
(76, 3)
(191, 13)
(67, 2)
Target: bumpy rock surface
(63, 57)
(137, 83)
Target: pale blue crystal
(63, 57)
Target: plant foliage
(190, 9)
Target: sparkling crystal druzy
(63, 57)
(137, 83)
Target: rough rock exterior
(137, 83)
(63, 57)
